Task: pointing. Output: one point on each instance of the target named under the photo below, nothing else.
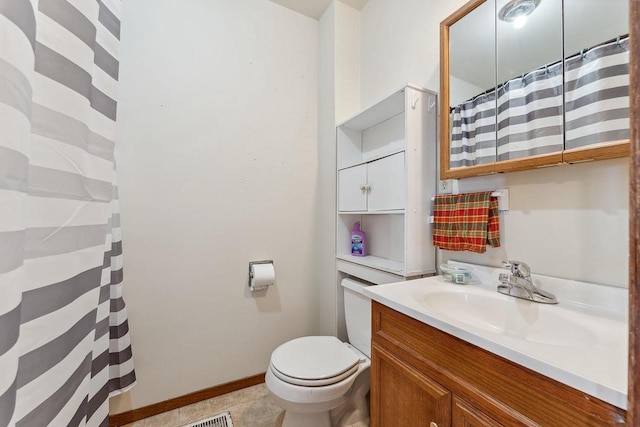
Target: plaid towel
(466, 222)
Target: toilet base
(353, 412)
(297, 419)
(344, 416)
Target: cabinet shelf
(378, 113)
(371, 159)
(384, 264)
(385, 212)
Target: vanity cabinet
(409, 397)
(406, 395)
(465, 415)
(386, 174)
(421, 376)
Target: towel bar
(503, 200)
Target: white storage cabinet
(386, 157)
(374, 186)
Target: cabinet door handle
(433, 424)
(363, 188)
(368, 189)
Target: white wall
(326, 232)
(338, 98)
(400, 44)
(217, 159)
(569, 221)
(347, 70)
(461, 90)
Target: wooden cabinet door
(352, 195)
(402, 396)
(465, 415)
(386, 182)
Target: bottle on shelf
(358, 244)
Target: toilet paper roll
(262, 275)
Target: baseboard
(178, 402)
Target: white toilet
(321, 381)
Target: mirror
(514, 103)
(596, 46)
(472, 70)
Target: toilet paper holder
(252, 285)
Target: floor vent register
(220, 420)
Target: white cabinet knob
(433, 424)
(363, 188)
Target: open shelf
(384, 241)
(357, 146)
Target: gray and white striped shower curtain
(64, 341)
(530, 108)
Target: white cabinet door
(352, 194)
(385, 181)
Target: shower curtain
(64, 341)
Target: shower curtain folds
(64, 336)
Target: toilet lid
(314, 358)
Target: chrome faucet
(520, 285)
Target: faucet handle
(518, 268)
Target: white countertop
(581, 342)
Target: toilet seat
(313, 383)
(314, 361)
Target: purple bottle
(358, 237)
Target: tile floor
(249, 407)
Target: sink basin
(511, 317)
(581, 341)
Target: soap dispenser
(358, 237)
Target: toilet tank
(357, 314)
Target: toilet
(321, 381)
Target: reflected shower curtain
(473, 131)
(530, 114)
(597, 95)
(64, 341)
(593, 92)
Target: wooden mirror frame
(633, 396)
(600, 152)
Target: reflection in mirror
(529, 74)
(472, 81)
(596, 72)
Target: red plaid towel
(466, 222)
